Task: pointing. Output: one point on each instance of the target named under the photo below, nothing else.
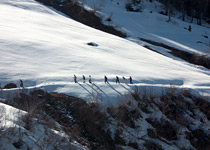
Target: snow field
(45, 49)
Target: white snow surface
(45, 49)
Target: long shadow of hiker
(100, 90)
(132, 86)
(85, 88)
(114, 89)
(92, 88)
(126, 87)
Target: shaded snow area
(19, 131)
(150, 24)
(45, 49)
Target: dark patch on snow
(196, 59)
(18, 144)
(10, 86)
(74, 10)
(92, 44)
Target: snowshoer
(117, 79)
(21, 83)
(75, 79)
(131, 80)
(106, 79)
(190, 28)
(90, 79)
(124, 80)
(83, 78)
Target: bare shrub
(164, 129)
(124, 114)
(109, 19)
(199, 139)
(152, 145)
(203, 105)
(29, 103)
(76, 131)
(145, 98)
(118, 137)
(28, 122)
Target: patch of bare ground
(201, 60)
(74, 10)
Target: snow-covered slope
(45, 49)
(150, 24)
(14, 134)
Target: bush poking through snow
(28, 102)
(27, 119)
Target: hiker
(131, 80)
(124, 80)
(75, 79)
(106, 79)
(90, 79)
(117, 80)
(21, 83)
(83, 78)
(190, 28)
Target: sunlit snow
(45, 49)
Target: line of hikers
(90, 80)
(105, 79)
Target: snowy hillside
(163, 109)
(45, 49)
(15, 132)
(150, 24)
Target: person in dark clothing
(83, 78)
(124, 80)
(90, 79)
(75, 79)
(106, 79)
(131, 80)
(117, 79)
(21, 83)
(190, 28)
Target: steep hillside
(166, 106)
(18, 130)
(175, 120)
(45, 49)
